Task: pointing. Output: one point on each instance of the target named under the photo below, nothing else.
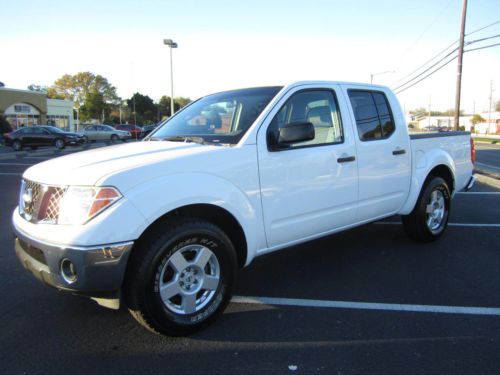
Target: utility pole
(491, 101)
(429, 122)
(459, 65)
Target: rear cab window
(373, 115)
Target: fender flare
(424, 163)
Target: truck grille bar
(39, 203)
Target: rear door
(383, 147)
(310, 188)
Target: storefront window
(61, 122)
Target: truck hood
(88, 167)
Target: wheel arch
(212, 213)
(442, 167)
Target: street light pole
(171, 44)
(378, 74)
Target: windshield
(217, 118)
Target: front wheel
(180, 279)
(429, 218)
(114, 138)
(17, 145)
(59, 143)
(85, 139)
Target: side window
(318, 107)
(373, 116)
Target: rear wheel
(180, 279)
(59, 143)
(429, 218)
(17, 145)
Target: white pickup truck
(163, 224)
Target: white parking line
(449, 224)
(478, 192)
(367, 305)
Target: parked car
(104, 133)
(147, 129)
(163, 225)
(41, 135)
(134, 130)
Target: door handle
(399, 152)
(346, 159)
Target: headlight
(81, 203)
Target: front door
(310, 188)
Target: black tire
(416, 224)
(114, 137)
(59, 143)
(17, 145)
(145, 274)
(85, 139)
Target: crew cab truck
(163, 225)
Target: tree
(497, 106)
(94, 107)
(476, 119)
(144, 107)
(164, 105)
(76, 87)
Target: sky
(232, 44)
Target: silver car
(103, 133)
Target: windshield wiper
(181, 138)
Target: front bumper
(99, 269)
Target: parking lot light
(171, 44)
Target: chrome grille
(39, 203)
(52, 211)
(35, 196)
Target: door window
(319, 107)
(372, 113)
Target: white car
(103, 133)
(163, 225)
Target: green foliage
(94, 107)
(476, 119)
(144, 108)
(497, 106)
(76, 87)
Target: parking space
(368, 300)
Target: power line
(482, 39)
(428, 61)
(436, 63)
(442, 66)
(484, 47)
(426, 70)
(444, 50)
(428, 75)
(482, 28)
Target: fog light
(68, 271)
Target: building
(27, 108)
(433, 122)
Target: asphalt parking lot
(368, 300)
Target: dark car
(134, 130)
(147, 129)
(41, 135)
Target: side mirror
(293, 132)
